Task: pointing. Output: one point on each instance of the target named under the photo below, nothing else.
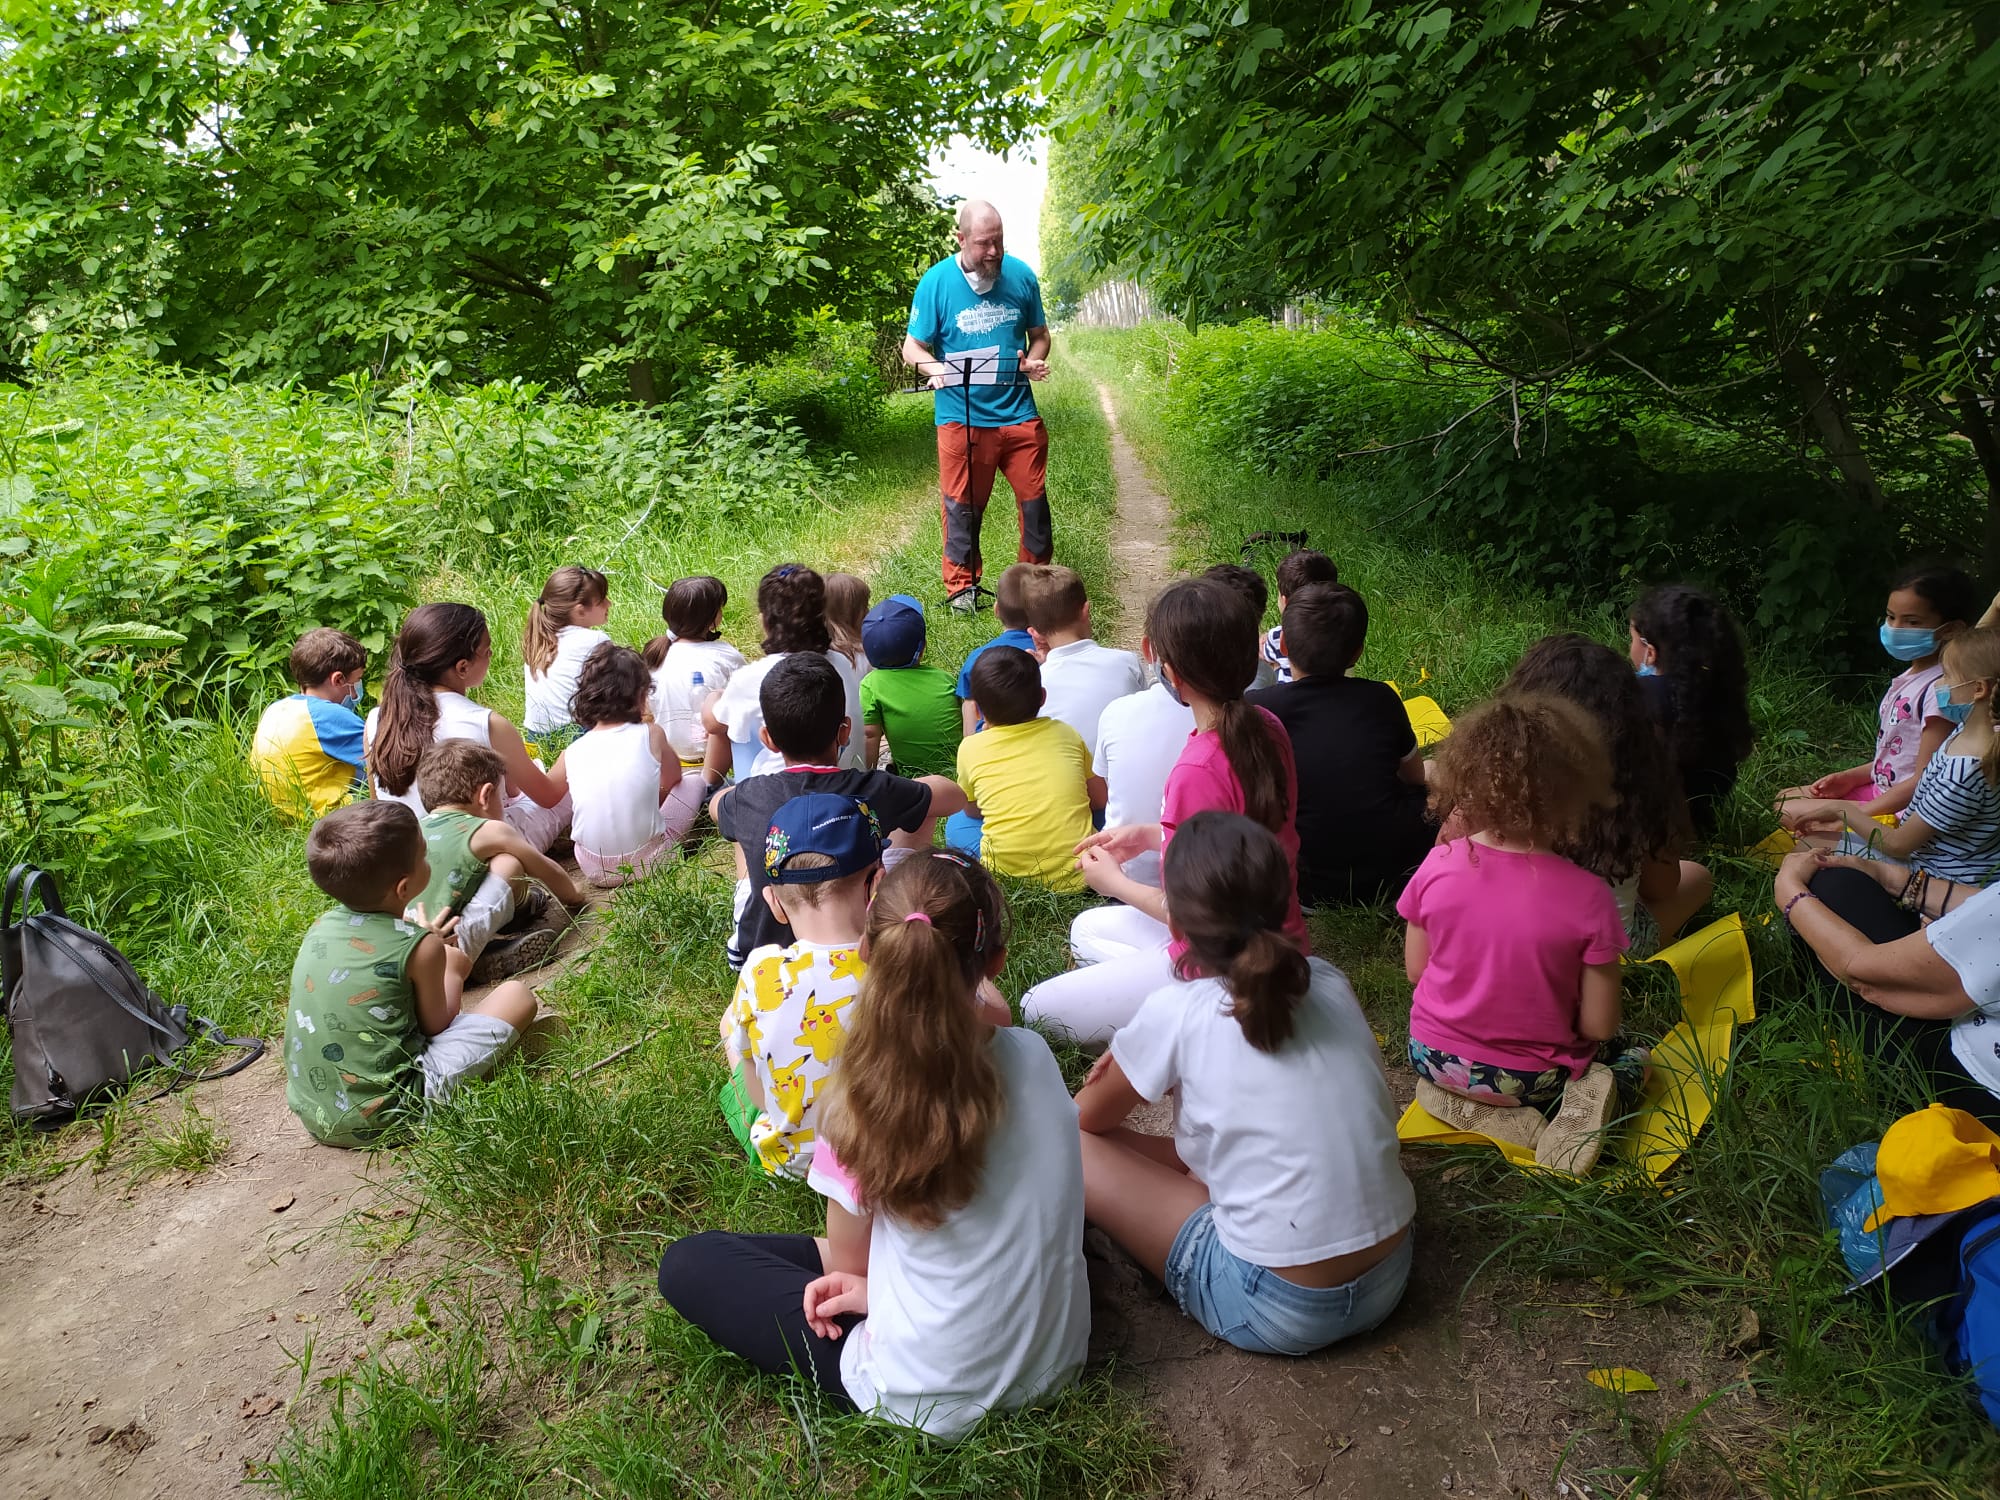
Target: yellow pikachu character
(846, 964)
(770, 987)
(822, 1032)
(788, 1092)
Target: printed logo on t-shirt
(984, 317)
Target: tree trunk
(1828, 414)
(1982, 428)
(638, 372)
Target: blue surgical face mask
(1172, 691)
(353, 698)
(1906, 644)
(1647, 669)
(1958, 713)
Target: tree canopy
(547, 188)
(1779, 216)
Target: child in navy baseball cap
(913, 706)
(784, 1025)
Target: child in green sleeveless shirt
(371, 1033)
(480, 866)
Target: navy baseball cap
(893, 632)
(841, 828)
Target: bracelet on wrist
(1801, 896)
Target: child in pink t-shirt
(1513, 949)
(1239, 759)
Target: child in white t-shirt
(631, 804)
(1278, 1216)
(564, 627)
(691, 665)
(951, 1280)
(791, 606)
(1080, 676)
(1139, 737)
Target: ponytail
(568, 590)
(917, 1094)
(1251, 745)
(1207, 633)
(1229, 890)
(433, 640)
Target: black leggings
(1857, 899)
(747, 1292)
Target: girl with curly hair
(791, 605)
(1514, 949)
(1635, 841)
(633, 803)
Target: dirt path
(1142, 551)
(150, 1335)
(1457, 1396)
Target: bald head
(981, 242)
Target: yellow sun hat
(1935, 1161)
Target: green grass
(191, 1143)
(563, 1181)
(1858, 1404)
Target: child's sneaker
(1517, 1124)
(528, 910)
(540, 1035)
(1576, 1135)
(511, 955)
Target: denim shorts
(1258, 1310)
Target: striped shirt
(1954, 797)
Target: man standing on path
(978, 331)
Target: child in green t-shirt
(371, 1033)
(914, 705)
(480, 867)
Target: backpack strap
(108, 980)
(25, 882)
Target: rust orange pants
(965, 475)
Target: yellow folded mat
(1717, 992)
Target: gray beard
(979, 283)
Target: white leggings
(539, 825)
(1123, 957)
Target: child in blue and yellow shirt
(307, 749)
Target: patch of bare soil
(151, 1332)
(1141, 553)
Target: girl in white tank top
(442, 653)
(632, 802)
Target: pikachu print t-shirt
(789, 1017)
(351, 1036)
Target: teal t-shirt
(957, 324)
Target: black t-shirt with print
(744, 817)
(1362, 828)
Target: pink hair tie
(920, 916)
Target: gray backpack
(82, 1022)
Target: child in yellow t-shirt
(307, 749)
(785, 1024)
(1029, 778)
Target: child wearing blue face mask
(1952, 828)
(307, 748)
(1929, 604)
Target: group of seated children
(869, 1052)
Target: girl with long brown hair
(564, 626)
(442, 653)
(1239, 759)
(1284, 1156)
(950, 1282)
